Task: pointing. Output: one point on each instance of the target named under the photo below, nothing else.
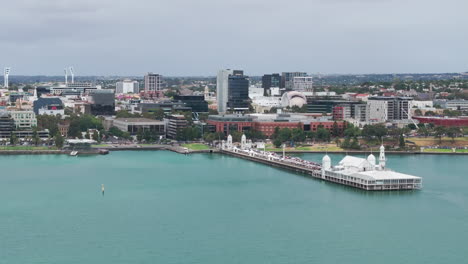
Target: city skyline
(197, 39)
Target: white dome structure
(326, 162)
(371, 159)
(293, 98)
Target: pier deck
(314, 170)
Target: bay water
(163, 207)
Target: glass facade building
(238, 92)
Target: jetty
(351, 171)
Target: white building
(51, 111)
(222, 86)
(23, 119)
(294, 98)
(378, 111)
(366, 174)
(382, 108)
(153, 83)
(422, 104)
(127, 86)
(302, 83)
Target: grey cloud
(185, 37)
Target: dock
(351, 171)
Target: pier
(351, 171)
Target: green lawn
(446, 150)
(26, 148)
(196, 146)
(101, 146)
(270, 147)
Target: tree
(374, 131)
(311, 135)
(439, 131)
(335, 130)
(277, 142)
(96, 136)
(140, 135)
(355, 144)
(59, 140)
(453, 132)
(352, 131)
(402, 141)
(13, 139)
(209, 137)
(418, 112)
(298, 135)
(35, 137)
(159, 114)
(323, 134)
(285, 134)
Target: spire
(382, 157)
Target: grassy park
(196, 146)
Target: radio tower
(6, 73)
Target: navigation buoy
(102, 189)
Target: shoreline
(182, 150)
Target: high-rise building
(222, 82)
(269, 81)
(287, 79)
(153, 84)
(384, 108)
(238, 92)
(127, 86)
(232, 88)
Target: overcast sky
(198, 37)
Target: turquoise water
(162, 207)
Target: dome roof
(371, 158)
(293, 98)
(382, 148)
(326, 158)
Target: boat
(74, 153)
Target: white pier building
(366, 174)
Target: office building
(267, 123)
(7, 124)
(385, 108)
(134, 125)
(287, 79)
(153, 85)
(222, 84)
(196, 102)
(23, 119)
(127, 86)
(302, 84)
(232, 88)
(175, 124)
(452, 104)
(269, 81)
(102, 102)
(48, 106)
(238, 92)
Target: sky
(197, 38)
